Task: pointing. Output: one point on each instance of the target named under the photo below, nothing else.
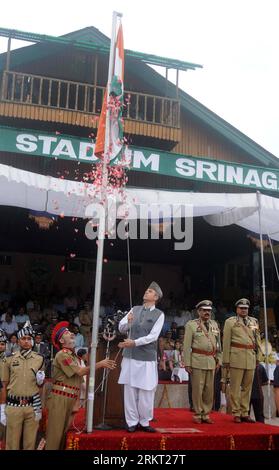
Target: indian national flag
(115, 104)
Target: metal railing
(37, 90)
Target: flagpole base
(103, 427)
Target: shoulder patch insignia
(67, 362)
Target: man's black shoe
(146, 428)
(131, 428)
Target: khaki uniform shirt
(236, 332)
(197, 336)
(20, 374)
(65, 367)
(2, 362)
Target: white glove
(40, 377)
(3, 418)
(38, 416)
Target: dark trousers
(217, 390)
(257, 404)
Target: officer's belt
(13, 400)
(65, 390)
(243, 346)
(205, 353)
(61, 384)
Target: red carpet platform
(176, 431)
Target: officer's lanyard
(247, 331)
(207, 334)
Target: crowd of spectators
(44, 312)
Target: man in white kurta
(139, 372)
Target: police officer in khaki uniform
(3, 355)
(67, 377)
(202, 356)
(22, 376)
(241, 350)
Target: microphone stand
(103, 426)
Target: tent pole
(100, 246)
(264, 303)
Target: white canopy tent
(33, 191)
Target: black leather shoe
(146, 428)
(131, 428)
(247, 419)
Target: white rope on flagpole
(101, 236)
(264, 304)
(129, 270)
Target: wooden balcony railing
(48, 92)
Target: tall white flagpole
(264, 303)
(101, 236)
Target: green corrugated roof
(91, 34)
(97, 44)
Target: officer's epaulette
(254, 319)
(234, 318)
(9, 358)
(65, 350)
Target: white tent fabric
(24, 189)
(269, 215)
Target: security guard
(241, 342)
(67, 377)
(22, 375)
(202, 356)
